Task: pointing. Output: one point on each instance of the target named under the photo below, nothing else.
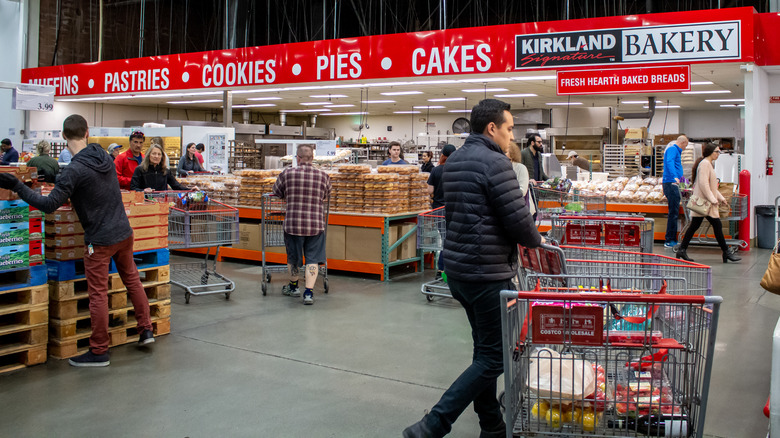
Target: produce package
(646, 389)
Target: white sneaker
(308, 297)
(290, 291)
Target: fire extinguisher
(770, 165)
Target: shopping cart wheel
(501, 401)
(325, 285)
(429, 298)
(187, 297)
(227, 295)
(264, 287)
(267, 278)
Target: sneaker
(308, 297)
(291, 290)
(147, 337)
(671, 244)
(89, 359)
(418, 430)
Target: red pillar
(744, 224)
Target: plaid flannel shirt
(305, 189)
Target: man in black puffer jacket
(91, 184)
(486, 218)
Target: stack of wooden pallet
(24, 314)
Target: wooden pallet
(79, 304)
(118, 336)
(17, 356)
(79, 324)
(68, 289)
(22, 298)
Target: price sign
(326, 147)
(33, 97)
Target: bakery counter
(356, 242)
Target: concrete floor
(365, 361)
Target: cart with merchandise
(606, 364)
(273, 211)
(195, 221)
(552, 202)
(737, 209)
(631, 232)
(431, 230)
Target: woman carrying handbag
(704, 203)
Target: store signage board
(33, 98)
(774, 99)
(723, 35)
(624, 80)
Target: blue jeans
(672, 193)
(478, 383)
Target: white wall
(706, 124)
(12, 36)
(404, 127)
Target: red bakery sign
(724, 35)
(625, 80)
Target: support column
(227, 108)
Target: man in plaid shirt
(306, 190)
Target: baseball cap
(113, 146)
(572, 154)
(447, 150)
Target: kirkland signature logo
(689, 42)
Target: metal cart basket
(615, 232)
(569, 373)
(273, 211)
(737, 210)
(431, 230)
(551, 202)
(199, 224)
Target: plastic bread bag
(560, 378)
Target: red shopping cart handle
(604, 218)
(766, 408)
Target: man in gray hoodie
(90, 182)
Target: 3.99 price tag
(33, 97)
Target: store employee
(396, 157)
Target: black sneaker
(89, 359)
(147, 337)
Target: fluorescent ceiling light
(179, 102)
(400, 93)
(724, 100)
(429, 106)
(563, 103)
(254, 105)
(662, 106)
(357, 113)
(533, 78)
(307, 110)
(486, 80)
(407, 112)
(460, 111)
(263, 98)
(484, 90)
(447, 99)
(733, 106)
(327, 96)
(517, 95)
(702, 83)
(708, 92)
(378, 101)
(634, 102)
(341, 105)
(315, 103)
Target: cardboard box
(408, 248)
(363, 244)
(14, 234)
(636, 133)
(148, 232)
(336, 243)
(147, 208)
(14, 256)
(63, 228)
(12, 212)
(248, 237)
(73, 253)
(65, 241)
(62, 215)
(147, 244)
(148, 221)
(132, 197)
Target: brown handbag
(771, 279)
(699, 205)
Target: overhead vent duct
(313, 120)
(645, 115)
(246, 116)
(282, 119)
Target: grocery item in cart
(564, 378)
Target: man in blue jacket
(90, 182)
(673, 174)
(486, 218)
(10, 155)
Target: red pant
(96, 266)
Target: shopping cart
(431, 230)
(273, 211)
(550, 202)
(737, 210)
(615, 232)
(568, 373)
(199, 223)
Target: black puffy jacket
(155, 178)
(485, 212)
